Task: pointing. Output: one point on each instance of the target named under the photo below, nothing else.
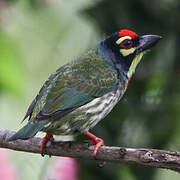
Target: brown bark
(147, 157)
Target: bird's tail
(29, 130)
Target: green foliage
(11, 72)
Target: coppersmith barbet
(81, 93)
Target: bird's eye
(126, 44)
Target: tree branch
(146, 157)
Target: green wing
(72, 86)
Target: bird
(84, 91)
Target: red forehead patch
(126, 32)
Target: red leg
(48, 137)
(98, 142)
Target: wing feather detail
(72, 86)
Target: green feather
(75, 84)
(70, 87)
(29, 130)
(71, 98)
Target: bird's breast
(87, 116)
(100, 107)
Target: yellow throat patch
(134, 63)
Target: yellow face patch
(120, 40)
(134, 64)
(126, 48)
(125, 52)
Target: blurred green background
(38, 36)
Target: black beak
(146, 42)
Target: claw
(98, 142)
(48, 137)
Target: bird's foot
(48, 137)
(98, 142)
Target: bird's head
(125, 49)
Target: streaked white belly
(100, 107)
